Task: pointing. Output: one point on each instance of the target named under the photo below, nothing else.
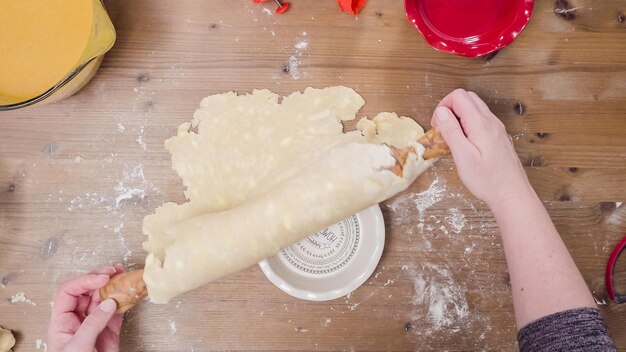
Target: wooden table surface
(442, 284)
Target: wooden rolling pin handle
(126, 289)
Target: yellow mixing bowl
(49, 49)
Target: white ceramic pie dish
(332, 262)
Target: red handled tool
(610, 271)
(282, 6)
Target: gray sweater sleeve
(581, 329)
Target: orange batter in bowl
(43, 41)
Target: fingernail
(443, 113)
(108, 305)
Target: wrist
(507, 203)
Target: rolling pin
(127, 289)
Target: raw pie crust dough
(261, 175)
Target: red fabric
(351, 6)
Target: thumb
(92, 326)
(451, 130)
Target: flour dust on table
(442, 283)
(405, 204)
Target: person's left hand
(81, 321)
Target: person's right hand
(482, 150)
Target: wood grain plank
(559, 89)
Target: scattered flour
(301, 45)
(326, 322)
(456, 220)
(82, 256)
(353, 306)
(141, 139)
(128, 194)
(173, 327)
(267, 11)
(40, 345)
(295, 60)
(389, 282)
(142, 143)
(21, 297)
(469, 249)
(433, 195)
(294, 67)
(615, 218)
(404, 205)
(118, 231)
(88, 199)
(133, 184)
(438, 298)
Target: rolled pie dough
(262, 174)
